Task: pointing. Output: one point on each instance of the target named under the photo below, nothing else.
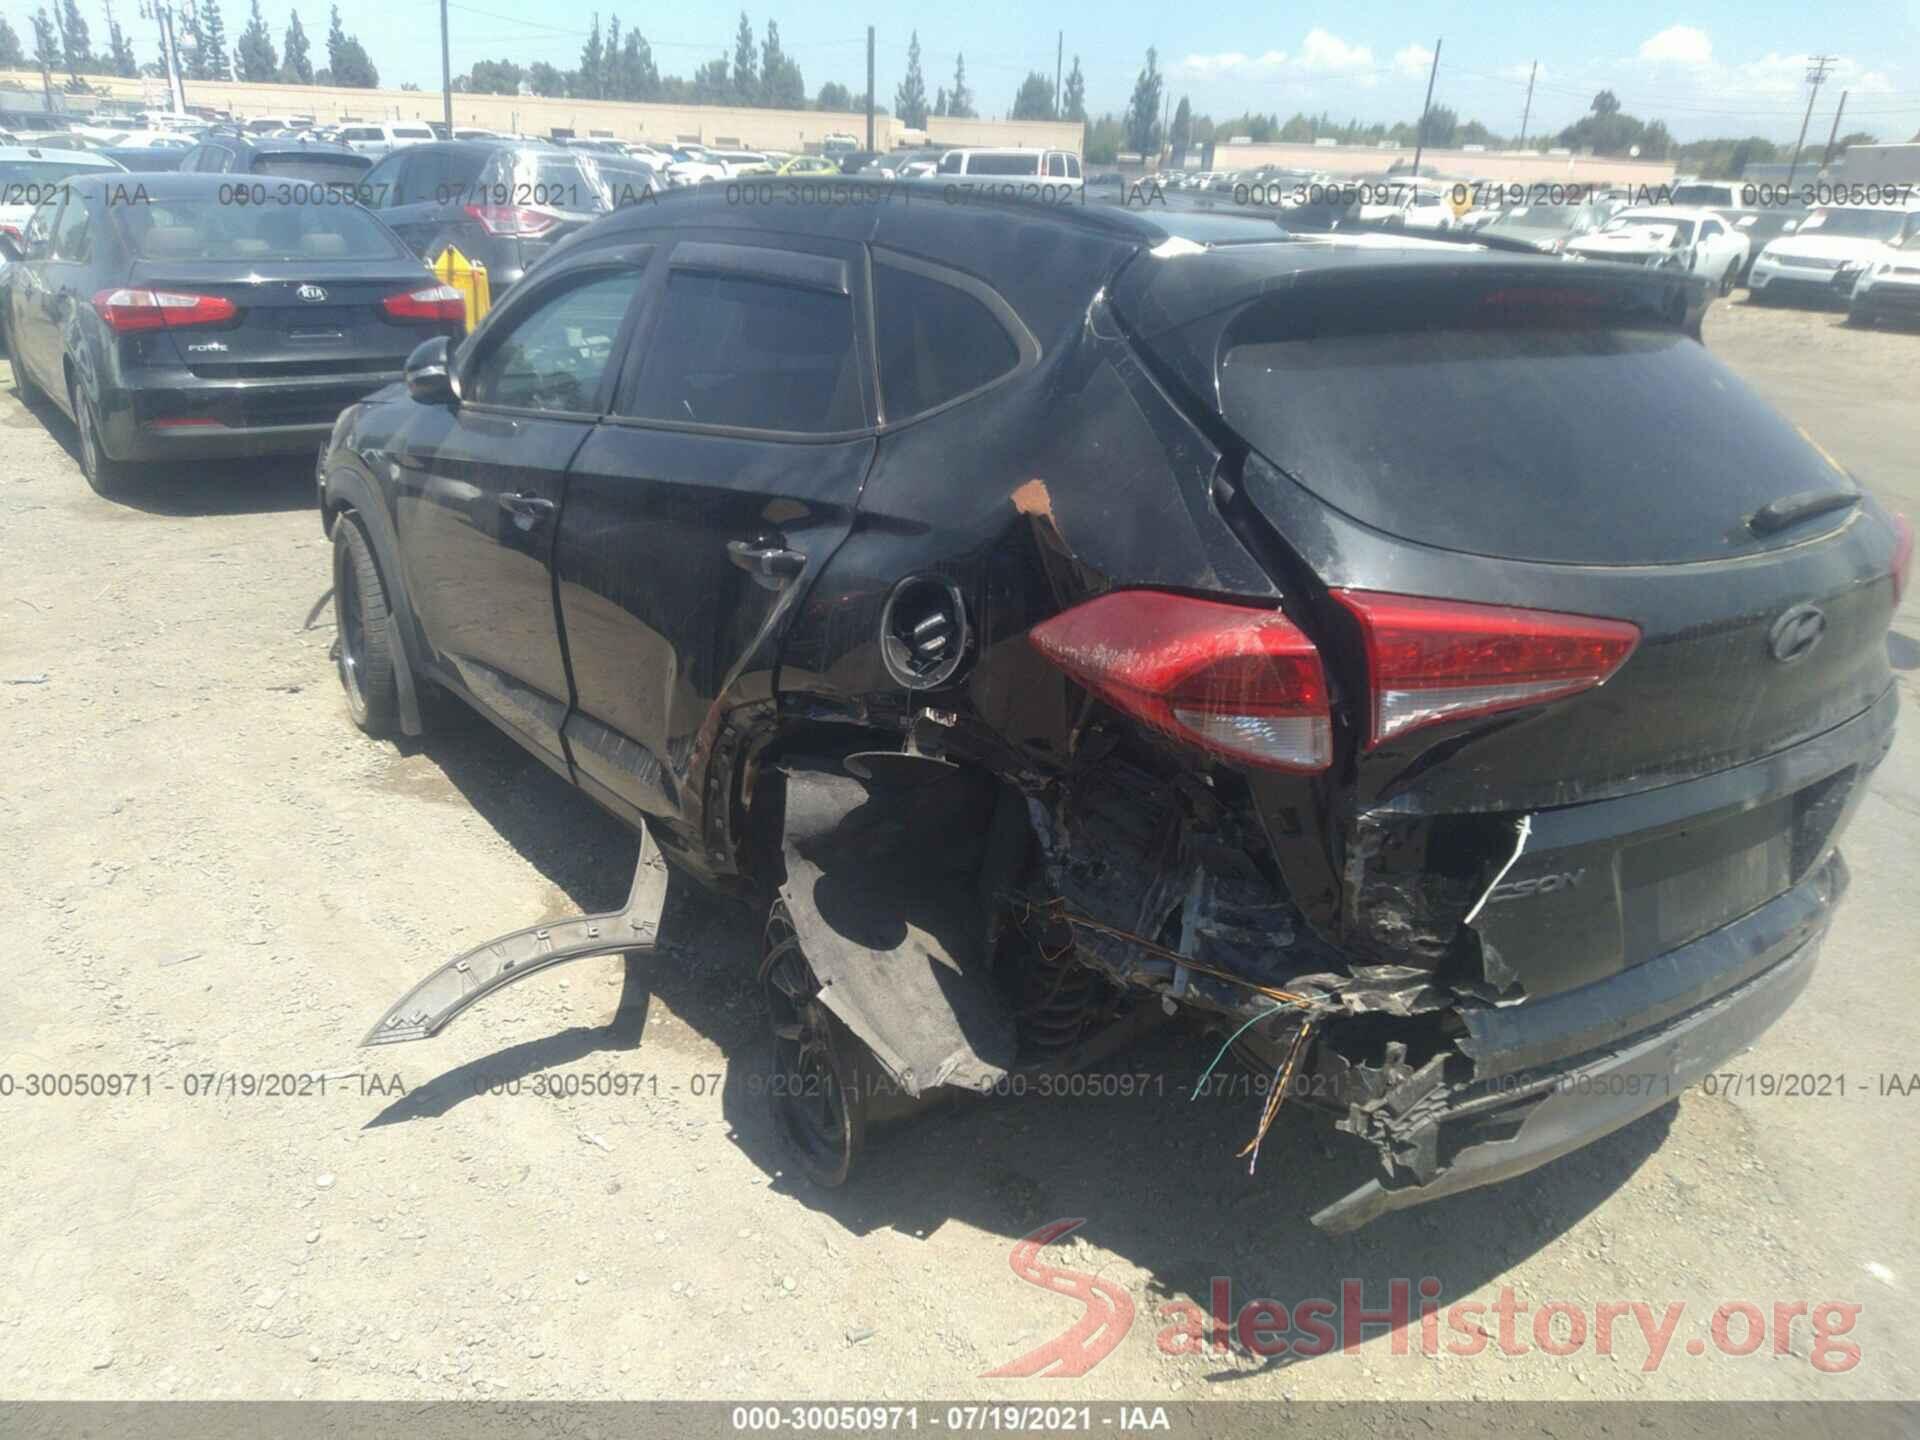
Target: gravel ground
(206, 872)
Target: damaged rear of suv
(1426, 665)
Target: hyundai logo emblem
(1795, 633)
(312, 294)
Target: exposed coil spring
(1058, 999)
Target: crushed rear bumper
(1522, 1114)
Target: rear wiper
(1792, 509)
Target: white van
(1055, 167)
(378, 140)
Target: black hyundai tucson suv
(1426, 665)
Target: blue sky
(1705, 69)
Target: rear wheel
(816, 1090)
(1858, 318)
(361, 647)
(1727, 280)
(106, 475)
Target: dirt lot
(206, 872)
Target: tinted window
(73, 240)
(437, 177)
(935, 342)
(753, 354)
(1003, 165)
(200, 228)
(1428, 415)
(1073, 167)
(556, 357)
(1057, 165)
(303, 165)
(950, 163)
(380, 186)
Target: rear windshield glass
(200, 228)
(1711, 196)
(296, 165)
(1533, 442)
(560, 182)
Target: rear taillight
(1902, 555)
(1430, 661)
(513, 220)
(126, 310)
(435, 303)
(1240, 682)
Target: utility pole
(1816, 72)
(1834, 134)
(1059, 54)
(1527, 114)
(869, 87)
(162, 15)
(1420, 134)
(446, 70)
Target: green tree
(296, 55)
(746, 66)
(258, 63)
(1073, 103)
(1437, 127)
(1035, 98)
(545, 79)
(46, 41)
(1143, 112)
(781, 84)
(1181, 135)
(712, 84)
(76, 45)
(833, 96)
(960, 98)
(494, 77)
(347, 59)
(591, 75)
(640, 77)
(910, 96)
(1606, 103)
(213, 33)
(1105, 139)
(11, 55)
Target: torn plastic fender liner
(433, 1004)
(881, 888)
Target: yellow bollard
(470, 279)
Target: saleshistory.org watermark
(1413, 1318)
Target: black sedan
(189, 316)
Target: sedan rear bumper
(184, 417)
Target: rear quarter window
(936, 342)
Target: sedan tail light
(1430, 661)
(129, 310)
(1243, 683)
(512, 220)
(435, 303)
(1902, 555)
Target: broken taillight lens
(1902, 555)
(1430, 661)
(1243, 683)
(132, 309)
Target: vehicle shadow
(1153, 1171)
(190, 488)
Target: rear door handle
(767, 561)
(527, 510)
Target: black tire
(1858, 318)
(816, 1090)
(106, 476)
(361, 651)
(1727, 280)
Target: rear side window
(73, 241)
(752, 354)
(295, 165)
(436, 177)
(1003, 164)
(936, 342)
(200, 228)
(556, 356)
